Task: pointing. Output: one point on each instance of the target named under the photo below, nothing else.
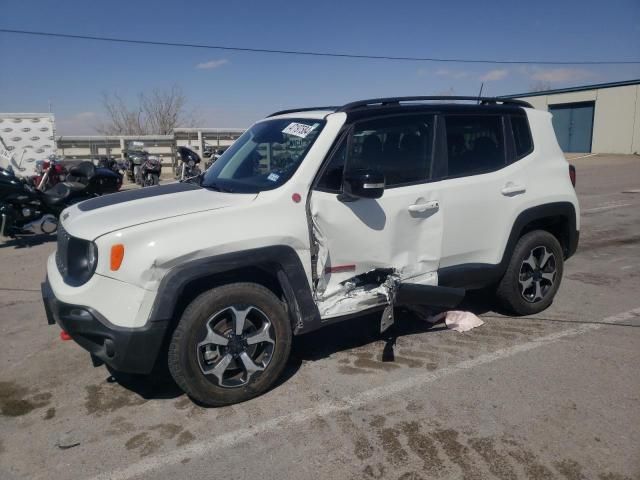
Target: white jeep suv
(311, 216)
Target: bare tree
(157, 112)
(540, 86)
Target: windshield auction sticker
(299, 129)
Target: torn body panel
(395, 244)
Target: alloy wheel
(238, 345)
(537, 274)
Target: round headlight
(82, 260)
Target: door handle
(424, 207)
(511, 189)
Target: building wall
(28, 137)
(616, 122)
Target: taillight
(572, 175)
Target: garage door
(573, 123)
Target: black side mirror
(363, 183)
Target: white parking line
(606, 207)
(581, 156)
(347, 403)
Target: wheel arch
(557, 218)
(277, 268)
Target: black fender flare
(281, 260)
(565, 210)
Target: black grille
(62, 252)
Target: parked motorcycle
(150, 171)
(97, 180)
(26, 210)
(190, 161)
(135, 159)
(49, 173)
(109, 163)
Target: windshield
(264, 157)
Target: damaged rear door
(364, 247)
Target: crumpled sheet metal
(458, 320)
(350, 297)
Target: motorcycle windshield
(186, 155)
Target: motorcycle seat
(61, 192)
(57, 194)
(83, 170)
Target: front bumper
(130, 350)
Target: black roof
(387, 102)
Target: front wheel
(231, 344)
(533, 275)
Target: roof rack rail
(397, 100)
(306, 109)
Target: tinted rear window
(521, 135)
(475, 144)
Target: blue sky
(233, 88)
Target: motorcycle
(97, 180)
(190, 161)
(150, 171)
(109, 163)
(49, 173)
(135, 159)
(26, 210)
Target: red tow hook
(64, 336)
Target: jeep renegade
(311, 216)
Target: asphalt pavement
(556, 395)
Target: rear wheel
(231, 344)
(533, 275)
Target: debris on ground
(458, 320)
(67, 440)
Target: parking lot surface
(556, 395)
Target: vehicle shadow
(358, 332)
(361, 331)
(315, 346)
(28, 241)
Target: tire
(194, 348)
(532, 279)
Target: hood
(98, 216)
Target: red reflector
(64, 336)
(340, 269)
(572, 175)
(296, 197)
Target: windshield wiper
(217, 188)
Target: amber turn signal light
(117, 255)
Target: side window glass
(475, 144)
(399, 147)
(331, 179)
(521, 136)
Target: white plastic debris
(458, 320)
